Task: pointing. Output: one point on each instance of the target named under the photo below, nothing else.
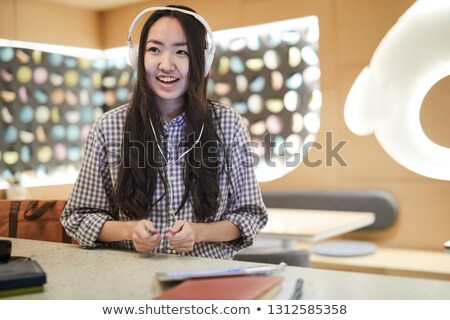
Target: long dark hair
(137, 176)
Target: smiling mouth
(167, 80)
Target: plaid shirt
(91, 202)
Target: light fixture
(387, 96)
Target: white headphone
(133, 50)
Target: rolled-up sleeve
(245, 208)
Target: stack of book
(21, 276)
(255, 283)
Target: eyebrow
(177, 44)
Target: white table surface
(76, 273)
(313, 225)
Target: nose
(166, 63)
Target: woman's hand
(145, 237)
(182, 236)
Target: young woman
(171, 171)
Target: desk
(76, 273)
(389, 261)
(293, 225)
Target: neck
(170, 109)
(168, 116)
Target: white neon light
(387, 96)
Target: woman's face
(167, 63)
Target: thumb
(178, 225)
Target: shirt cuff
(89, 229)
(249, 228)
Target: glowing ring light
(387, 96)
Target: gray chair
(380, 202)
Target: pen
(147, 228)
(298, 290)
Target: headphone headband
(209, 52)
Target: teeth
(167, 79)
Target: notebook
(21, 273)
(248, 287)
(18, 291)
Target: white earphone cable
(171, 211)
(183, 154)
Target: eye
(183, 52)
(153, 49)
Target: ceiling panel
(96, 5)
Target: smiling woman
(167, 65)
(181, 181)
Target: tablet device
(183, 275)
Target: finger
(175, 236)
(149, 240)
(146, 246)
(146, 232)
(170, 233)
(180, 231)
(185, 235)
(184, 242)
(184, 248)
(177, 227)
(179, 239)
(149, 227)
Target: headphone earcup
(133, 53)
(209, 57)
